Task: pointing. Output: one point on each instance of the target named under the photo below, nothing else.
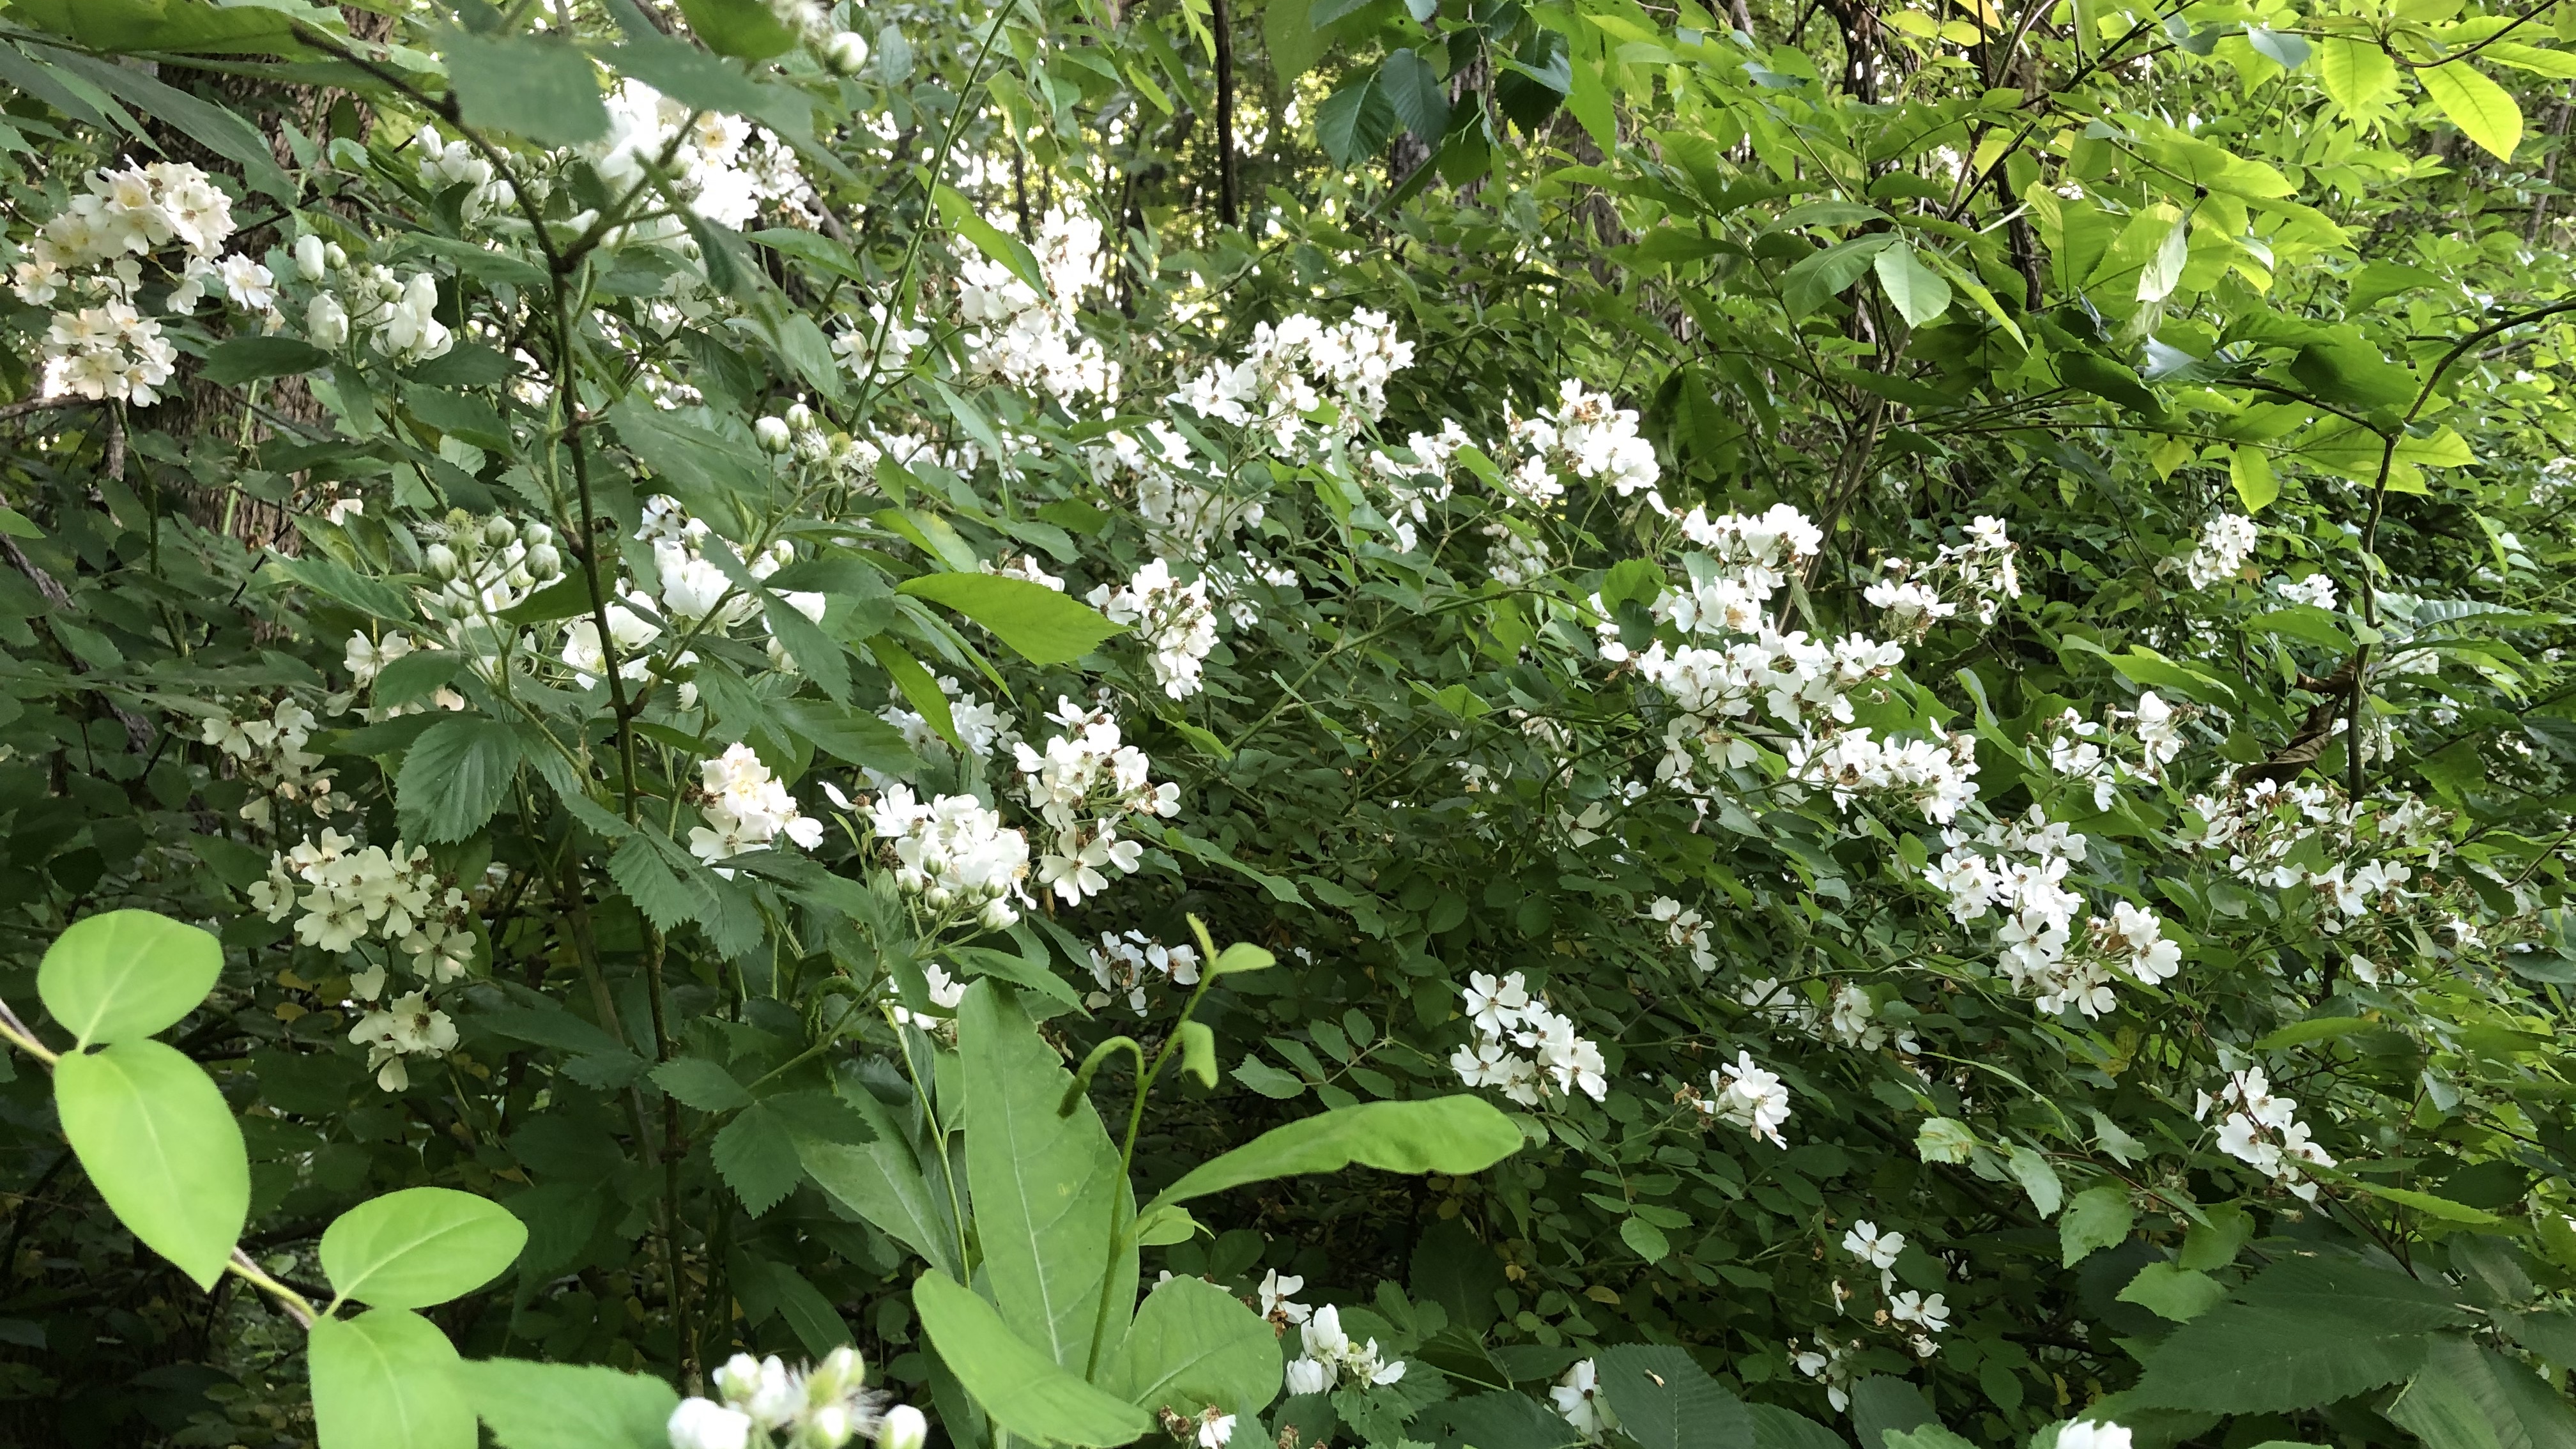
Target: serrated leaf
(2098, 1217)
(1415, 90)
(757, 1158)
(701, 1084)
(2169, 1290)
(1664, 1400)
(454, 777)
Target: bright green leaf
(420, 1246)
(159, 1143)
(386, 1379)
(126, 975)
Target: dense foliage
(1875, 696)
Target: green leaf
(701, 1084)
(2171, 1291)
(882, 1182)
(1240, 957)
(1194, 1345)
(1046, 627)
(539, 88)
(2358, 74)
(1664, 1400)
(1644, 1239)
(1198, 1052)
(1021, 1387)
(420, 1246)
(1354, 120)
(919, 689)
(126, 975)
(757, 1158)
(159, 1144)
(1450, 1135)
(1915, 290)
(386, 1379)
(2468, 1397)
(2037, 1179)
(2163, 271)
(1268, 1080)
(1046, 1187)
(2425, 1202)
(237, 360)
(2484, 111)
(1415, 90)
(2099, 1217)
(816, 653)
(207, 124)
(997, 245)
(454, 776)
(1830, 273)
(745, 28)
(566, 1406)
(853, 736)
(2314, 1339)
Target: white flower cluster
(1932, 776)
(694, 586)
(746, 809)
(2078, 748)
(2024, 880)
(1331, 1359)
(2264, 1131)
(94, 250)
(1684, 930)
(1920, 1316)
(955, 854)
(2086, 1434)
(1579, 1400)
(348, 893)
(1035, 342)
(715, 163)
(2317, 590)
(1978, 573)
(445, 165)
(1157, 469)
(1085, 783)
(879, 345)
(1414, 484)
(2265, 826)
(406, 1027)
(1296, 368)
(1589, 436)
(1849, 1017)
(1509, 1021)
(763, 1404)
(945, 992)
(2226, 542)
(1747, 1096)
(272, 753)
(1176, 621)
(1832, 1363)
(395, 314)
(1125, 964)
(982, 728)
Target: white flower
(1278, 1302)
(2086, 1434)
(1749, 1097)
(1308, 1376)
(1930, 1314)
(1867, 1243)
(704, 1424)
(1577, 1397)
(1215, 1430)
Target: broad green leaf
(237, 360)
(2484, 111)
(126, 975)
(745, 28)
(530, 86)
(920, 690)
(2357, 73)
(202, 121)
(996, 244)
(1194, 1345)
(2249, 472)
(1814, 279)
(2096, 1218)
(1048, 1189)
(1420, 97)
(2468, 1397)
(1664, 1400)
(1353, 120)
(2308, 1332)
(2037, 1179)
(454, 776)
(853, 736)
(1453, 1135)
(2428, 1203)
(2163, 270)
(1046, 627)
(386, 1379)
(2322, 1028)
(566, 1406)
(160, 1145)
(883, 1182)
(1778, 1428)
(1020, 1386)
(1915, 290)
(420, 1246)
(1644, 1239)
(2171, 1291)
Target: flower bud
(544, 562)
(310, 261)
(336, 257)
(799, 416)
(828, 1427)
(702, 1424)
(439, 560)
(904, 1428)
(772, 434)
(500, 532)
(841, 1371)
(537, 534)
(846, 52)
(326, 324)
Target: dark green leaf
(455, 776)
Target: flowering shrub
(1884, 735)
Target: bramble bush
(750, 723)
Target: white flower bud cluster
(478, 569)
(444, 165)
(406, 1027)
(693, 586)
(1033, 342)
(348, 893)
(763, 1404)
(1514, 558)
(1589, 436)
(1331, 1360)
(94, 250)
(720, 169)
(395, 314)
(1125, 964)
(2226, 542)
(2264, 1131)
(955, 854)
(1685, 929)
(1978, 573)
(798, 436)
(270, 753)
(1085, 784)
(1746, 1096)
(746, 809)
(1295, 369)
(1509, 1021)
(880, 345)
(1176, 621)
